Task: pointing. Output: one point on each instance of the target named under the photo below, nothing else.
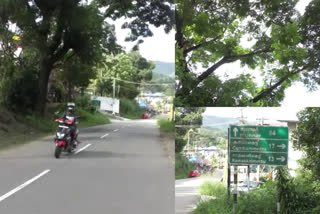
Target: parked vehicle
(145, 116)
(65, 140)
(194, 173)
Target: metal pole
(235, 190)
(114, 95)
(248, 174)
(229, 171)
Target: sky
(159, 47)
(253, 113)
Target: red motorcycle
(65, 140)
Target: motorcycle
(64, 141)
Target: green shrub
(23, 92)
(42, 124)
(166, 125)
(182, 166)
(222, 204)
(85, 103)
(130, 109)
(91, 119)
(262, 200)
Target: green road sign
(258, 145)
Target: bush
(166, 125)
(23, 92)
(222, 204)
(42, 124)
(182, 166)
(91, 119)
(130, 109)
(85, 103)
(262, 200)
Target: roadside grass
(91, 119)
(182, 166)
(262, 200)
(221, 204)
(27, 128)
(166, 125)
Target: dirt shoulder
(167, 142)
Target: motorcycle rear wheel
(57, 151)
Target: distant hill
(214, 122)
(164, 68)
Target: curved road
(122, 169)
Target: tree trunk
(45, 70)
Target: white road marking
(104, 135)
(83, 148)
(23, 185)
(115, 130)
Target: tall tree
(306, 138)
(210, 34)
(60, 27)
(131, 67)
(186, 116)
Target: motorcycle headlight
(60, 135)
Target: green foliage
(23, 92)
(213, 33)
(166, 125)
(85, 103)
(294, 195)
(262, 200)
(306, 138)
(91, 119)
(221, 204)
(186, 116)
(42, 124)
(130, 109)
(130, 67)
(182, 166)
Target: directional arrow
(281, 146)
(282, 158)
(235, 130)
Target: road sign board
(258, 145)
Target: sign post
(258, 145)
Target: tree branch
(186, 51)
(268, 91)
(228, 59)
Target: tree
(130, 67)
(306, 138)
(210, 34)
(186, 116)
(60, 27)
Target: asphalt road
(187, 191)
(123, 170)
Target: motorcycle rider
(70, 115)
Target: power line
(143, 83)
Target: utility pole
(235, 190)
(114, 95)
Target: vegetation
(125, 66)
(166, 125)
(269, 37)
(130, 109)
(56, 35)
(182, 166)
(186, 116)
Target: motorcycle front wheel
(57, 151)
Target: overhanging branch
(269, 90)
